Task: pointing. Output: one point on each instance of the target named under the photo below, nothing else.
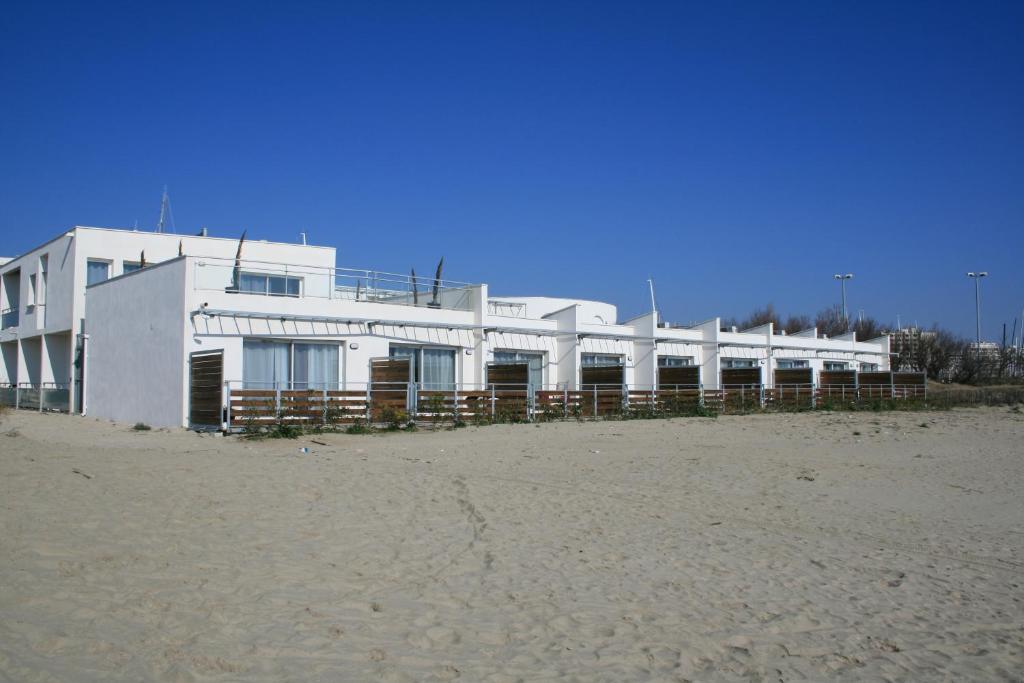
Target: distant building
(905, 344)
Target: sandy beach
(842, 546)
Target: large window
(835, 365)
(289, 365)
(792, 364)
(739, 363)
(674, 361)
(434, 368)
(594, 360)
(96, 271)
(131, 266)
(534, 362)
(270, 285)
(869, 367)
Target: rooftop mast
(165, 212)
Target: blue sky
(738, 153)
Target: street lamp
(977, 301)
(842, 284)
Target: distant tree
(830, 322)
(760, 316)
(868, 328)
(797, 323)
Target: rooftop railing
(344, 284)
(508, 309)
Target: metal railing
(8, 318)
(506, 309)
(45, 396)
(345, 284)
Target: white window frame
(688, 361)
(618, 360)
(731, 363)
(841, 365)
(267, 277)
(107, 262)
(792, 364)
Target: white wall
(135, 357)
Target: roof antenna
(303, 238)
(165, 212)
(654, 307)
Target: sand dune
(783, 547)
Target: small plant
(284, 430)
(359, 428)
(141, 427)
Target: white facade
(43, 293)
(141, 327)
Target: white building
(285, 317)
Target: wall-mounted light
(354, 345)
(469, 352)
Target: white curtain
(265, 365)
(316, 366)
(438, 369)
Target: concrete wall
(9, 362)
(135, 356)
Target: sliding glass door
(289, 365)
(433, 368)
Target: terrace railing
(46, 396)
(265, 278)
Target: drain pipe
(84, 338)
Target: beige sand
(804, 547)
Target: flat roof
(131, 231)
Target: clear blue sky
(739, 153)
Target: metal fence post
(565, 401)
(493, 406)
(595, 401)
(369, 402)
(227, 405)
(277, 400)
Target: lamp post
(842, 285)
(977, 302)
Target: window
(534, 361)
(96, 271)
(739, 363)
(869, 367)
(31, 291)
(289, 365)
(674, 361)
(131, 266)
(433, 368)
(835, 365)
(792, 364)
(593, 360)
(270, 285)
